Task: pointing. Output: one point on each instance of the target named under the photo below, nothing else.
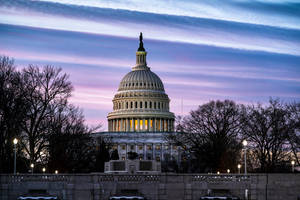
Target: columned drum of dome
(141, 104)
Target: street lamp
(239, 168)
(44, 169)
(15, 141)
(218, 172)
(245, 154)
(228, 171)
(56, 171)
(32, 166)
(293, 165)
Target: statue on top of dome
(141, 47)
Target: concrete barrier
(152, 186)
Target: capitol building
(141, 119)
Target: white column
(145, 151)
(138, 125)
(119, 151)
(126, 150)
(121, 125)
(118, 125)
(160, 121)
(162, 152)
(113, 125)
(153, 151)
(127, 125)
(171, 151)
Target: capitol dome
(141, 79)
(141, 104)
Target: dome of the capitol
(141, 79)
(141, 104)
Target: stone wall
(153, 187)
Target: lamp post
(293, 166)
(239, 168)
(56, 171)
(15, 141)
(32, 166)
(44, 170)
(228, 171)
(245, 154)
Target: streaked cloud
(247, 51)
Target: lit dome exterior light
(141, 104)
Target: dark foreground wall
(162, 186)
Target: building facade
(141, 118)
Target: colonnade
(141, 125)
(143, 150)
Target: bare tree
(12, 109)
(46, 89)
(294, 135)
(210, 134)
(267, 128)
(70, 145)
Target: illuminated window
(146, 124)
(123, 157)
(149, 147)
(140, 147)
(141, 124)
(151, 123)
(157, 147)
(136, 124)
(119, 125)
(158, 125)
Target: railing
(36, 177)
(221, 178)
(7, 178)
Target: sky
(243, 50)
